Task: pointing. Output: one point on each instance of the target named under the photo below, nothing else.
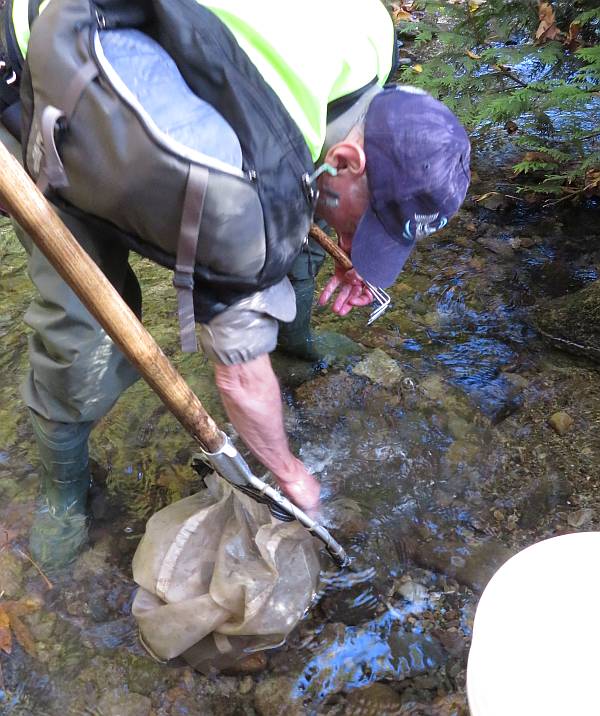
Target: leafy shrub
(532, 67)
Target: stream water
(429, 431)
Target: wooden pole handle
(28, 206)
(340, 256)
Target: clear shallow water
(406, 466)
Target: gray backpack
(149, 116)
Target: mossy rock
(11, 575)
(572, 323)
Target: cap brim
(377, 256)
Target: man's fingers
(352, 292)
(344, 294)
(353, 299)
(363, 299)
(329, 290)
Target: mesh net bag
(219, 578)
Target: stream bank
(448, 436)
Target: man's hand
(251, 396)
(352, 290)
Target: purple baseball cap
(418, 174)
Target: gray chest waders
(30, 209)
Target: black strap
(10, 58)
(183, 279)
(337, 107)
(11, 119)
(34, 11)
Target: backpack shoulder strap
(34, 10)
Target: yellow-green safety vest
(310, 54)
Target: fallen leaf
(5, 636)
(23, 635)
(401, 13)
(473, 56)
(592, 182)
(10, 620)
(418, 68)
(27, 605)
(485, 196)
(547, 29)
(474, 5)
(592, 177)
(538, 157)
(572, 37)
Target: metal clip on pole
(228, 463)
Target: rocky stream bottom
(447, 436)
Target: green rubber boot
(296, 338)
(59, 529)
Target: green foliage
(484, 61)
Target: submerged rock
(274, 697)
(497, 246)
(470, 564)
(379, 368)
(326, 397)
(572, 323)
(561, 422)
(11, 574)
(581, 517)
(115, 703)
(349, 657)
(374, 700)
(335, 347)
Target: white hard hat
(536, 637)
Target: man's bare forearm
(251, 395)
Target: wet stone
(517, 381)
(9, 488)
(334, 347)
(453, 641)
(413, 592)
(461, 452)
(472, 565)
(93, 561)
(527, 242)
(326, 397)
(450, 705)
(41, 625)
(580, 518)
(250, 664)
(115, 703)
(458, 427)
(143, 674)
(374, 700)
(379, 368)
(561, 422)
(246, 685)
(346, 515)
(273, 697)
(497, 246)
(11, 574)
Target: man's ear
(348, 156)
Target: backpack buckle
(183, 279)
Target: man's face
(353, 193)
